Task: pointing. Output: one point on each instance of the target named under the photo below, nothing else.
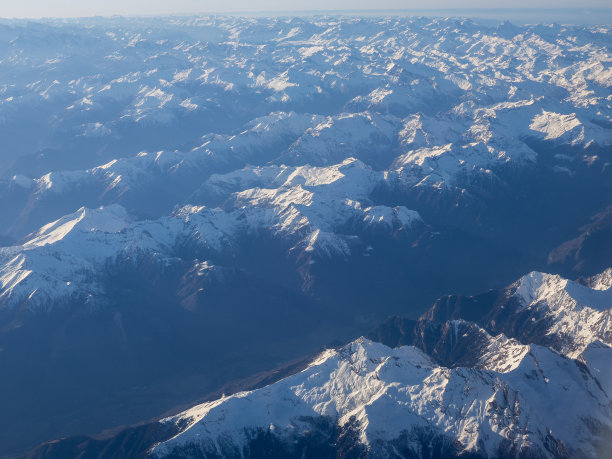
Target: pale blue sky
(76, 8)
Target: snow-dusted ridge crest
(578, 314)
(310, 208)
(498, 398)
(397, 399)
(438, 152)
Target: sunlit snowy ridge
(464, 391)
(281, 125)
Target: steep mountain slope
(570, 317)
(540, 308)
(435, 99)
(475, 396)
(436, 387)
(319, 211)
(590, 251)
(398, 401)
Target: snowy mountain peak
(571, 315)
(393, 399)
(538, 287)
(391, 217)
(601, 281)
(325, 244)
(109, 219)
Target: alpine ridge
(455, 390)
(441, 386)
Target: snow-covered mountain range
(417, 106)
(431, 101)
(307, 205)
(199, 183)
(456, 390)
(399, 401)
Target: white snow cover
(308, 206)
(602, 281)
(597, 356)
(430, 100)
(554, 125)
(60, 260)
(390, 217)
(578, 315)
(111, 219)
(133, 173)
(514, 395)
(325, 244)
(386, 392)
(402, 102)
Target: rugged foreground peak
(449, 384)
(450, 388)
(370, 400)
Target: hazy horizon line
(326, 11)
(571, 16)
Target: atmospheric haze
(71, 8)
